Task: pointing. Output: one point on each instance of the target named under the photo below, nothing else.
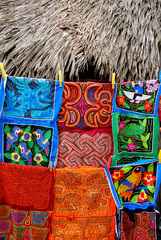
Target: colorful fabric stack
(85, 126)
(135, 182)
(28, 128)
(84, 207)
(26, 196)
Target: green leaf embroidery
(127, 86)
(124, 146)
(151, 188)
(116, 185)
(45, 159)
(30, 143)
(134, 199)
(47, 134)
(21, 162)
(120, 93)
(38, 164)
(21, 140)
(6, 129)
(145, 145)
(147, 136)
(151, 100)
(122, 139)
(138, 147)
(143, 138)
(36, 149)
(8, 155)
(150, 168)
(126, 169)
(16, 149)
(126, 105)
(129, 141)
(127, 120)
(150, 199)
(144, 122)
(27, 129)
(141, 108)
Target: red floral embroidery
(149, 178)
(117, 175)
(121, 100)
(147, 106)
(143, 197)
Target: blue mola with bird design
(42, 141)
(25, 152)
(12, 137)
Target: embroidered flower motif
(26, 136)
(149, 178)
(38, 158)
(143, 197)
(117, 175)
(121, 100)
(131, 147)
(152, 85)
(15, 157)
(122, 125)
(147, 106)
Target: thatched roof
(40, 37)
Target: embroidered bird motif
(42, 141)
(25, 152)
(131, 182)
(12, 137)
(138, 95)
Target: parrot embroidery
(12, 137)
(42, 141)
(131, 182)
(26, 152)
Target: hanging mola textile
(26, 197)
(84, 207)
(85, 125)
(28, 128)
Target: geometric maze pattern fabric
(20, 224)
(143, 227)
(85, 148)
(86, 105)
(84, 207)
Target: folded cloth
(23, 224)
(85, 148)
(143, 226)
(86, 105)
(141, 97)
(135, 135)
(26, 187)
(28, 127)
(135, 185)
(84, 207)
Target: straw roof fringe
(40, 37)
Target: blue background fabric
(35, 103)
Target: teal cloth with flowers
(28, 123)
(135, 135)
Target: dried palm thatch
(39, 37)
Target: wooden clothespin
(50, 166)
(113, 80)
(159, 156)
(3, 71)
(60, 78)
